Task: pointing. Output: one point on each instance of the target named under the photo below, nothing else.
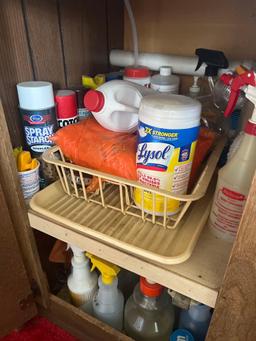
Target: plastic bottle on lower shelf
(182, 335)
(196, 320)
(108, 301)
(82, 283)
(149, 314)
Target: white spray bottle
(108, 302)
(82, 283)
(234, 181)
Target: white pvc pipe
(134, 31)
(180, 64)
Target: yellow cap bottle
(108, 302)
(108, 270)
(93, 82)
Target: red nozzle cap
(150, 290)
(250, 128)
(236, 83)
(94, 100)
(136, 72)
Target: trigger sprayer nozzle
(108, 270)
(78, 254)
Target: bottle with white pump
(165, 81)
(82, 283)
(115, 104)
(234, 181)
(194, 89)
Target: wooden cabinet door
(16, 301)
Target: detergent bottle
(137, 74)
(115, 104)
(196, 320)
(165, 81)
(234, 181)
(108, 301)
(149, 314)
(82, 283)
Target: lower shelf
(199, 278)
(78, 323)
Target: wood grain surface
(80, 324)
(14, 283)
(179, 26)
(115, 24)
(18, 211)
(84, 34)
(15, 64)
(45, 41)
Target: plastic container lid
(66, 103)
(165, 70)
(149, 289)
(35, 95)
(178, 111)
(181, 334)
(94, 100)
(136, 72)
(170, 80)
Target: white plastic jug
(115, 104)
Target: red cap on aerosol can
(66, 107)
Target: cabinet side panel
(115, 24)
(84, 34)
(179, 26)
(15, 286)
(45, 43)
(15, 64)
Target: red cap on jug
(150, 289)
(94, 100)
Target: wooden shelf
(199, 278)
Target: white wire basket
(116, 193)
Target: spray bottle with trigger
(82, 283)
(108, 301)
(235, 177)
(212, 61)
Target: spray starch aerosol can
(37, 107)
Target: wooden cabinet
(58, 41)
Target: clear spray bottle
(108, 301)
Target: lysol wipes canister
(66, 107)
(37, 107)
(167, 135)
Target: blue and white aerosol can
(37, 107)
